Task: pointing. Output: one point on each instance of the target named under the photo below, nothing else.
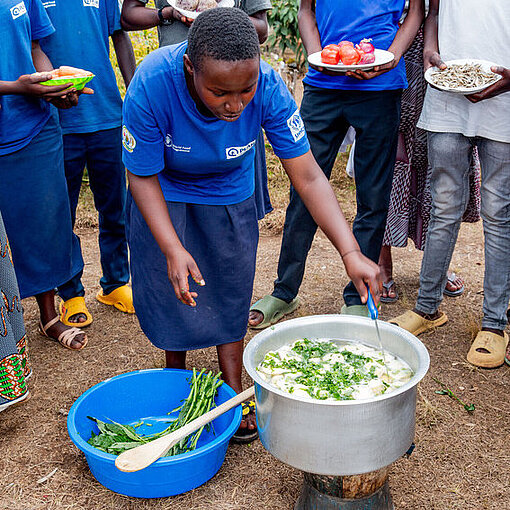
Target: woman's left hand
(362, 271)
(376, 71)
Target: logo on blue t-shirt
(49, 3)
(18, 10)
(91, 3)
(235, 152)
(296, 126)
(177, 148)
(128, 140)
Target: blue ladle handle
(372, 309)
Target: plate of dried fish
(463, 76)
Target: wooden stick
(144, 455)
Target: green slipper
(273, 309)
(359, 310)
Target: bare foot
(77, 318)
(255, 318)
(58, 328)
(456, 284)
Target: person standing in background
(410, 200)
(455, 124)
(173, 29)
(92, 139)
(33, 192)
(370, 102)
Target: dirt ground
(461, 461)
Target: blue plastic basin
(148, 395)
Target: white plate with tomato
(346, 56)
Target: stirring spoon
(374, 315)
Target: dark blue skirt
(223, 241)
(36, 213)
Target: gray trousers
(449, 158)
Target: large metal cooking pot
(337, 438)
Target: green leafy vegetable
(116, 438)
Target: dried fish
(466, 76)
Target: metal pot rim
(260, 337)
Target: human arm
(259, 20)
(136, 16)
(431, 57)
(125, 55)
(403, 39)
(308, 27)
(147, 194)
(320, 200)
(500, 87)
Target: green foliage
(284, 36)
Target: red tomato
(345, 43)
(349, 55)
(330, 54)
(366, 46)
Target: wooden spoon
(144, 455)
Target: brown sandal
(66, 337)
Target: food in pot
(468, 76)
(329, 370)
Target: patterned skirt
(14, 367)
(410, 200)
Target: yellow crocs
(72, 307)
(121, 298)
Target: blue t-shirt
(21, 117)
(199, 159)
(339, 20)
(81, 40)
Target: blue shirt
(199, 159)
(21, 117)
(81, 40)
(339, 20)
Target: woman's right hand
(180, 265)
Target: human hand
(30, 85)
(171, 13)
(70, 99)
(432, 59)
(495, 89)
(362, 271)
(180, 264)
(376, 71)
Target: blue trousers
(101, 153)
(450, 160)
(327, 114)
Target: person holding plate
(467, 29)
(367, 100)
(191, 118)
(33, 191)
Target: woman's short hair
(222, 34)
